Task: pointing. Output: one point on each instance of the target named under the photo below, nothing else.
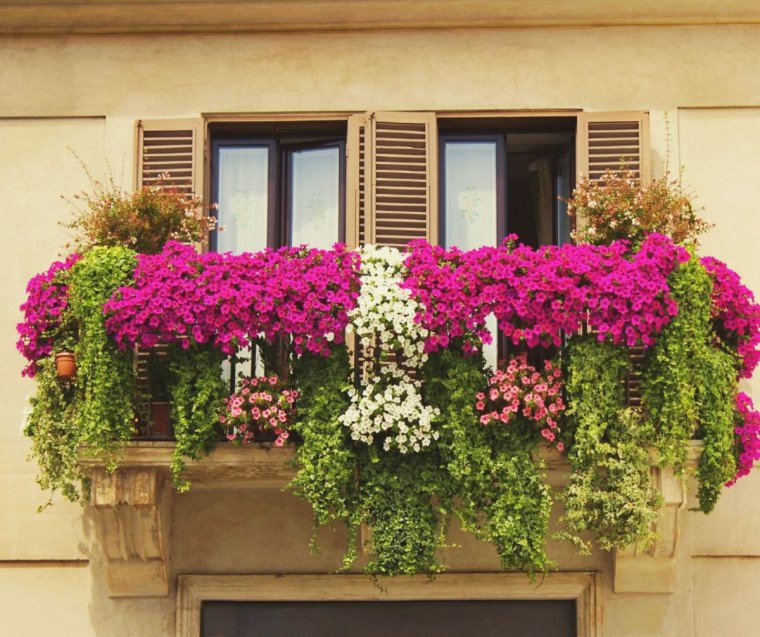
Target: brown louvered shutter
(393, 178)
(615, 141)
(611, 141)
(174, 148)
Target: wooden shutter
(392, 178)
(611, 141)
(172, 147)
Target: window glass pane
(314, 195)
(243, 198)
(471, 209)
(470, 196)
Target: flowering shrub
(228, 300)
(747, 436)
(736, 313)
(537, 295)
(619, 206)
(142, 221)
(259, 406)
(44, 308)
(521, 392)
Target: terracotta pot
(160, 421)
(65, 365)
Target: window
(505, 176)
(502, 177)
(282, 186)
(197, 598)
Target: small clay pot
(65, 365)
(160, 421)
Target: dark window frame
(280, 148)
(286, 149)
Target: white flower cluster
(384, 314)
(390, 402)
(395, 409)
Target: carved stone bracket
(132, 507)
(653, 569)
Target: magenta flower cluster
(47, 299)
(259, 407)
(521, 391)
(748, 436)
(536, 295)
(736, 313)
(227, 300)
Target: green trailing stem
(689, 385)
(327, 463)
(609, 492)
(54, 441)
(197, 390)
(104, 417)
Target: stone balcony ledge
(133, 509)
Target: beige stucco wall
(85, 93)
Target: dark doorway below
(555, 618)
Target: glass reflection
(314, 196)
(243, 198)
(470, 207)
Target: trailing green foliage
(105, 381)
(672, 371)
(485, 475)
(689, 384)
(503, 496)
(609, 492)
(326, 460)
(400, 500)
(715, 395)
(197, 391)
(54, 440)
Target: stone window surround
(581, 587)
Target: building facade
(145, 88)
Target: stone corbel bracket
(653, 569)
(132, 506)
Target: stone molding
(583, 587)
(132, 506)
(97, 17)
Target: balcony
(372, 390)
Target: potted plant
(65, 358)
